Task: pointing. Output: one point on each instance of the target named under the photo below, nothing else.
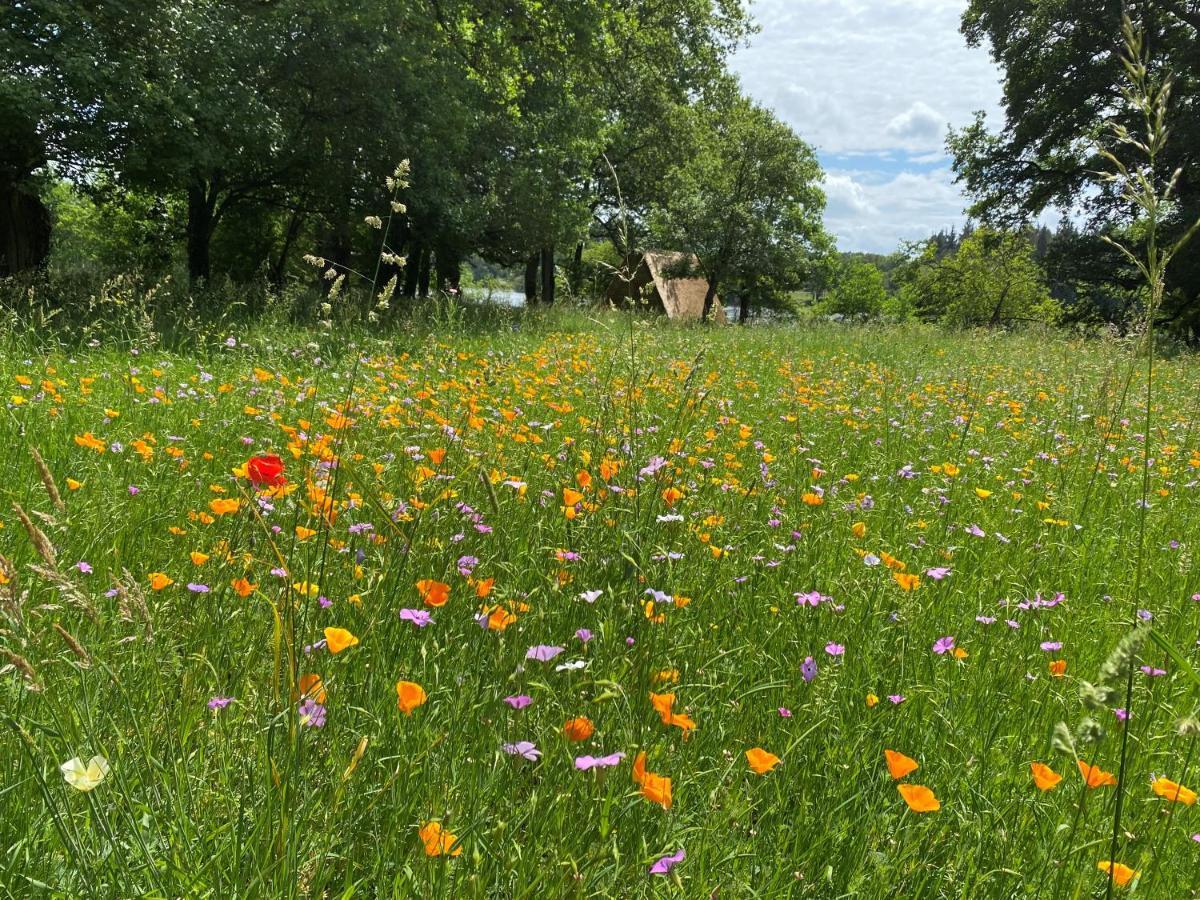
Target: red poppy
(265, 470)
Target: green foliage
(992, 279)
(748, 204)
(1062, 92)
(858, 292)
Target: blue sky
(873, 85)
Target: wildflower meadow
(589, 607)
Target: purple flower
(986, 620)
(198, 588)
(896, 699)
(629, 642)
(1122, 714)
(937, 574)
(543, 652)
(518, 701)
(1145, 615)
(808, 669)
(219, 702)
(526, 749)
(1051, 646)
(1152, 672)
(584, 635)
(664, 865)
(976, 531)
(325, 602)
(419, 617)
(466, 565)
(84, 566)
(590, 596)
(583, 763)
(134, 490)
(784, 712)
(835, 649)
(943, 645)
(1196, 838)
(312, 714)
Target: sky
(874, 85)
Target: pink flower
(835, 649)
(583, 763)
(518, 701)
(943, 645)
(664, 865)
(784, 712)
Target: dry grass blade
(47, 479)
(37, 537)
(85, 660)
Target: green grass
(247, 802)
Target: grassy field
(518, 559)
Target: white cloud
(867, 213)
(878, 81)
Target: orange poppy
(907, 582)
(312, 686)
(484, 587)
(919, 798)
(579, 728)
(158, 581)
(655, 788)
(437, 456)
(761, 761)
(438, 841)
(242, 587)
(1058, 668)
(1044, 777)
(899, 765)
(224, 505)
(1169, 790)
(1095, 776)
(662, 704)
(571, 497)
(339, 639)
(409, 696)
(433, 593)
(1121, 873)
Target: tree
(748, 205)
(1062, 70)
(991, 280)
(858, 291)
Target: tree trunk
(423, 273)
(577, 269)
(24, 230)
(200, 223)
(279, 270)
(449, 271)
(710, 297)
(744, 310)
(548, 275)
(531, 280)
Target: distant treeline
(231, 139)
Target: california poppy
(1095, 776)
(1044, 777)
(312, 687)
(438, 841)
(655, 788)
(1121, 873)
(761, 761)
(579, 728)
(265, 470)
(433, 593)
(339, 639)
(158, 581)
(919, 798)
(1176, 793)
(900, 765)
(409, 695)
(1058, 668)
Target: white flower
(85, 777)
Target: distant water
(516, 300)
